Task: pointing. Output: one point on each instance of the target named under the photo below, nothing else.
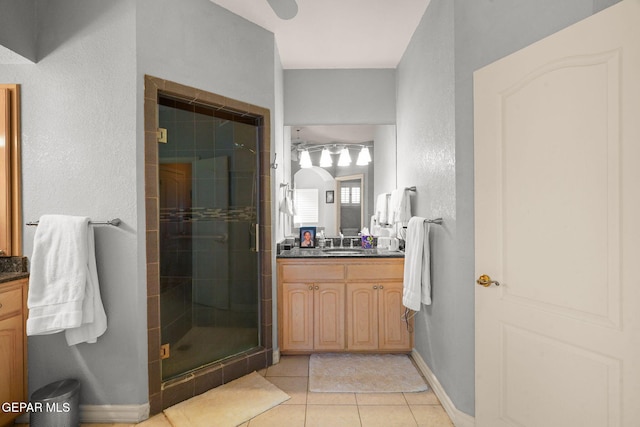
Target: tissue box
(367, 242)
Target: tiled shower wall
(163, 395)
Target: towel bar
(434, 221)
(430, 221)
(115, 222)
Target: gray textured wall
(359, 96)
(83, 150)
(435, 135)
(18, 27)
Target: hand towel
(400, 211)
(94, 318)
(286, 205)
(63, 285)
(417, 268)
(382, 209)
(400, 205)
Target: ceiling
(337, 33)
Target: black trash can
(56, 405)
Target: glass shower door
(209, 279)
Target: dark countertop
(8, 277)
(340, 253)
(13, 268)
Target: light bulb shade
(364, 158)
(325, 159)
(345, 158)
(305, 159)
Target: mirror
(339, 198)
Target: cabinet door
(394, 331)
(297, 316)
(328, 316)
(11, 364)
(362, 316)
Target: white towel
(417, 269)
(382, 209)
(286, 205)
(400, 210)
(64, 292)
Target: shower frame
(165, 394)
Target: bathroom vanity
(341, 300)
(13, 341)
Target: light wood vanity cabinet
(13, 386)
(375, 317)
(313, 316)
(341, 304)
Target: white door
(557, 149)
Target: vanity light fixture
(305, 159)
(325, 158)
(345, 158)
(364, 157)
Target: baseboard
(103, 414)
(459, 418)
(97, 414)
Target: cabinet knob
(310, 287)
(381, 287)
(375, 287)
(317, 287)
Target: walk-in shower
(208, 206)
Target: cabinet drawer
(312, 272)
(376, 271)
(10, 301)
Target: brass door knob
(486, 281)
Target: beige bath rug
(364, 373)
(230, 404)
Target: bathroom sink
(342, 251)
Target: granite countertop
(13, 268)
(11, 276)
(340, 253)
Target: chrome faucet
(341, 237)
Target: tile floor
(307, 409)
